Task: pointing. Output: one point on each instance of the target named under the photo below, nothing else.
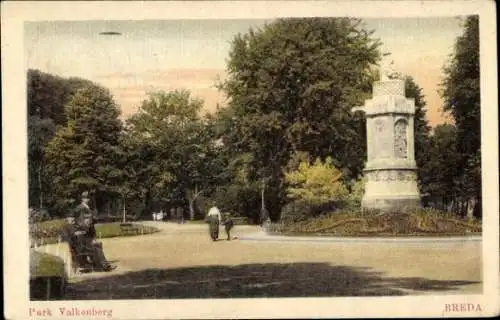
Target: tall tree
(185, 163)
(422, 131)
(461, 93)
(291, 86)
(46, 96)
(83, 154)
(442, 185)
(40, 132)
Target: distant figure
(158, 216)
(228, 224)
(214, 220)
(85, 222)
(264, 216)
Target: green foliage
(296, 211)
(316, 183)
(238, 195)
(421, 131)
(47, 96)
(461, 87)
(47, 266)
(40, 132)
(83, 154)
(461, 93)
(46, 231)
(355, 196)
(291, 86)
(239, 200)
(172, 152)
(443, 161)
(112, 230)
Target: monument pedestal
(391, 189)
(390, 171)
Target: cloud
(131, 89)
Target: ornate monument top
(388, 73)
(388, 95)
(394, 87)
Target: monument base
(391, 189)
(391, 203)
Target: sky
(192, 54)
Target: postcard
(250, 159)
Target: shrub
(355, 197)
(296, 211)
(38, 215)
(320, 182)
(46, 268)
(239, 200)
(47, 231)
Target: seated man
(86, 222)
(74, 235)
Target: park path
(181, 261)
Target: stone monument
(391, 170)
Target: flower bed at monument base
(423, 222)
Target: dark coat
(83, 214)
(77, 242)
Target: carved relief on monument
(391, 175)
(400, 139)
(381, 143)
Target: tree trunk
(124, 209)
(40, 185)
(191, 209)
(470, 208)
(191, 197)
(263, 213)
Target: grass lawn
(47, 265)
(48, 232)
(113, 229)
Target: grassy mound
(49, 231)
(421, 222)
(47, 276)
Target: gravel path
(182, 262)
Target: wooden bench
(129, 228)
(81, 257)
